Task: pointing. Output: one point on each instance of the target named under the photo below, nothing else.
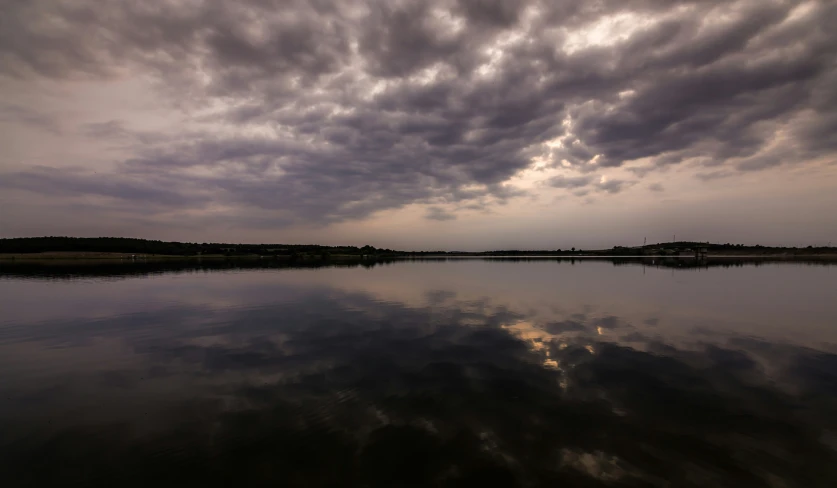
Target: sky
(435, 125)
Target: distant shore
(120, 248)
(133, 257)
(80, 255)
(105, 255)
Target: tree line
(27, 245)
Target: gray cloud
(112, 129)
(582, 185)
(14, 113)
(570, 182)
(369, 106)
(714, 175)
(438, 213)
(148, 192)
(613, 186)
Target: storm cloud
(325, 112)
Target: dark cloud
(368, 106)
(608, 322)
(557, 328)
(570, 182)
(496, 13)
(656, 187)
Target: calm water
(436, 373)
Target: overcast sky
(456, 124)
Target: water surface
(419, 373)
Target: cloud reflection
(338, 387)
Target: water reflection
(416, 374)
(115, 269)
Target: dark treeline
(31, 245)
(715, 248)
(28, 245)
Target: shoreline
(127, 257)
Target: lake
(453, 372)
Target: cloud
(17, 114)
(112, 129)
(147, 192)
(438, 213)
(613, 186)
(583, 185)
(656, 187)
(332, 111)
(570, 182)
(714, 175)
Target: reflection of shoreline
(69, 269)
(730, 296)
(795, 257)
(255, 252)
(113, 268)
